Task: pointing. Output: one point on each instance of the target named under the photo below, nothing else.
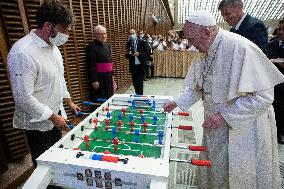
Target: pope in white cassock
(235, 81)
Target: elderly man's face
(101, 35)
(195, 36)
(231, 14)
(280, 31)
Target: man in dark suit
(244, 24)
(275, 49)
(136, 53)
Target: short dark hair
(55, 12)
(230, 3)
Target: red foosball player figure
(107, 121)
(119, 123)
(107, 127)
(86, 139)
(141, 112)
(145, 125)
(123, 110)
(132, 126)
(95, 121)
(107, 108)
(115, 143)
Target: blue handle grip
(101, 99)
(86, 103)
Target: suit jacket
(254, 30)
(143, 50)
(274, 51)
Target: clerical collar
(240, 22)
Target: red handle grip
(185, 127)
(201, 162)
(110, 159)
(183, 113)
(197, 148)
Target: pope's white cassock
(237, 80)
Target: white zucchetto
(201, 17)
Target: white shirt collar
(38, 41)
(280, 43)
(240, 22)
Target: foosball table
(125, 143)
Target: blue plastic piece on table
(80, 114)
(136, 95)
(160, 136)
(101, 99)
(154, 105)
(131, 117)
(70, 126)
(113, 131)
(133, 104)
(155, 119)
(137, 133)
(86, 103)
(108, 115)
(119, 116)
(97, 157)
(142, 118)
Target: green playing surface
(100, 140)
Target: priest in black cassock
(100, 66)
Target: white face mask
(59, 39)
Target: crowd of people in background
(172, 41)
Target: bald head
(132, 31)
(100, 33)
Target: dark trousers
(278, 106)
(40, 141)
(137, 74)
(147, 70)
(152, 70)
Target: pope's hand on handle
(169, 106)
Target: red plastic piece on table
(119, 122)
(141, 155)
(95, 121)
(197, 148)
(141, 111)
(183, 113)
(107, 127)
(106, 152)
(123, 110)
(185, 127)
(107, 121)
(115, 140)
(110, 159)
(86, 138)
(76, 149)
(107, 108)
(131, 123)
(201, 162)
(145, 125)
